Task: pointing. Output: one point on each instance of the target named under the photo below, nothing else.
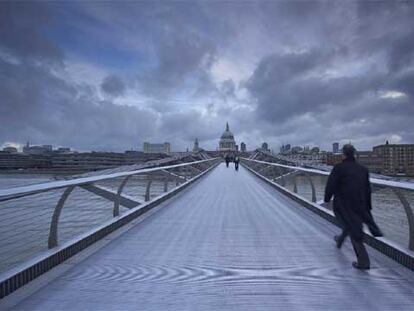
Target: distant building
(133, 152)
(227, 142)
(27, 149)
(265, 147)
(370, 160)
(333, 158)
(63, 150)
(285, 149)
(73, 161)
(10, 149)
(297, 149)
(89, 161)
(315, 150)
(384, 159)
(196, 147)
(157, 148)
(243, 147)
(398, 159)
(335, 147)
(22, 161)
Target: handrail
(12, 193)
(395, 186)
(25, 243)
(374, 181)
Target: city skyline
(104, 76)
(275, 149)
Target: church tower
(196, 148)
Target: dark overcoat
(349, 184)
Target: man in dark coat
(227, 159)
(349, 184)
(236, 162)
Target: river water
(17, 180)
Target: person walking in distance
(236, 162)
(349, 184)
(227, 159)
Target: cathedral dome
(227, 134)
(227, 141)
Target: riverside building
(397, 159)
(157, 148)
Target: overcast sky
(108, 76)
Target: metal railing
(39, 217)
(395, 221)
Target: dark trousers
(358, 245)
(236, 166)
(341, 238)
(361, 253)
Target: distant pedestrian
(349, 184)
(236, 162)
(227, 159)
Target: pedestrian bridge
(228, 241)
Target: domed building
(227, 142)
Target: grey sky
(108, 76)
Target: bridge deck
(230, 242)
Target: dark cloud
(402, 52)
(20, 30)
(290, 84)
(99, 75)
(404, 82)
(113, 86)
(344, 81)
(46, 109)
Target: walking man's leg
(361, 253)
(340, 238)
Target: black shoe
(339, 240)
(360, 267)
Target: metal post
(410, 217)
(295, 186)
(118, 196)
(147, 192)
(53, 232)
(282, 177)
(166, 184)
(308, 176)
